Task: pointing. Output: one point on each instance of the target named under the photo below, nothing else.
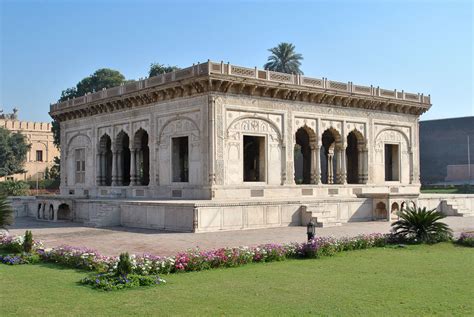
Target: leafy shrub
(421, 225)
(124, 266)
(24, 258)
(28, 241)
(14, 188)
(466, 239)
(15, 244)
(111, 281)
(45, 183)
(6, 213)
(12, 244)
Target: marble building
(222, 147)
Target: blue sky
(418, 46)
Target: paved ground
(113, 240)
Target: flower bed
(197, 260)
(143, 270)
(112, 282)
(23, 258)
(466, 239)
(14, 244)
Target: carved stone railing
(209, 68)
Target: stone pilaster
(133, 167)
(115, 177)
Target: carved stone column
(365, 166)
(330, 168)
(156, 165)
(360, 166)
(100, 170)
(410, 163)
(342, 157)
(120, 168)
(133, 167)
(338, 156)
(115, 168)
(315, 164)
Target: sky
(417, 46)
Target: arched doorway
(303, 156)
(51, 212)
(394, 211)
(105, 161)
(123, 159)
(64, 212)
(140, 159)
(355, 155)
(381, 211)
(330, 158)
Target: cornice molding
(215, 78)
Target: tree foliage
(14, 188)
(421, 225)
(100, 79)
(284, 59)
(157, 69)
(55, 171)
(13, 150)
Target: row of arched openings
(126, 163)
(329, 163)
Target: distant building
(42, 151)
(444, 150)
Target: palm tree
(5, 213)
(284, 59)
(422, 225)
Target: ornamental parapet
(227, 78)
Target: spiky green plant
(6, 213)
(421, 225)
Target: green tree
(284, 59)
(100, 79)
(13, 150)
(55, 171)
(157, 69)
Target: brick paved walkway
(113, 240)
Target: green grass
(417, 280)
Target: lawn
(417, 280)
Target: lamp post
(311, 229)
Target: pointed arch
(331, 145)
(356, 157)
(105, 160)
(122, 153)
(305, 145)
(140, 158)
